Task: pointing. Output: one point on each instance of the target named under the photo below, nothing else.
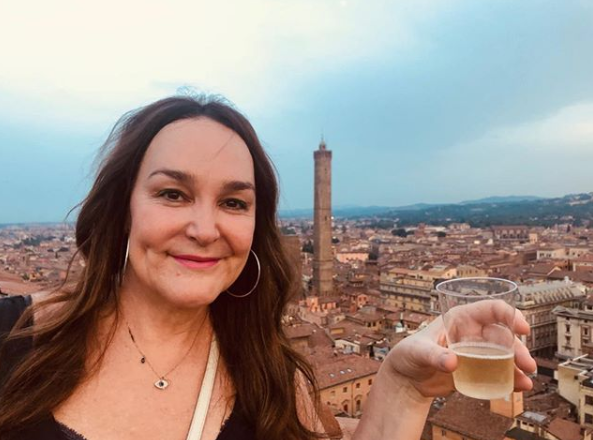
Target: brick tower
(322, 234)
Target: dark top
(235, 428)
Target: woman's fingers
(469, 319)
(523, 358)
(520, 324)
(522, 382)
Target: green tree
(399, 232)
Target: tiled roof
(298, 331)
(565, 429)
(333, 370)
(520, 434)
(471, 418)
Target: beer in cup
(478, 315)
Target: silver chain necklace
(162, 381)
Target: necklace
(162, 381)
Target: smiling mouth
(195, 262)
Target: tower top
(322, 144)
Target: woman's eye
(172, 195)
(235, 204)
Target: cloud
(424, 100)
(112, 53)
(568, 131)
(547, 157)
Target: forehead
(201, 147)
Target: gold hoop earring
(256, 281)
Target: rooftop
(331, 371)
(471, 418)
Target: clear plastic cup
(478, 314)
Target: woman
(182, 261)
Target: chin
(192, 299)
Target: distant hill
(338, 211)
(576, 209)
(504, 199)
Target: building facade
(536, 302)
(345, 382)
(411, 289)
(574, 328)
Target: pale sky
(420, 101)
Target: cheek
(243, 237)
(150, 229)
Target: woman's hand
(424, 361)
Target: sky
(434, 101)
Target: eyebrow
(180, 176)
(189, 179)
(238, 185)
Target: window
(588, 419)
(589, 400)
(443, 433)
(357, 384)
(370, 381)
(345, 389)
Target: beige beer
(484, 371)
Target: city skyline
(450, 101)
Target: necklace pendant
(161, 384)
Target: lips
(196, 261)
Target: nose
(202, 226)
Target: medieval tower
(322, 217)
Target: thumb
(447, 361)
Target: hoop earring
(256, 281)
(123, 270)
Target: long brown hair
(259, 359)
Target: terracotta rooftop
(331, 371)
(471, 418)
(18, 287)
(317, 337)
(565, 429)
(298, 331)
(417, 317)
(350, 328)
(520, 434)
(580, 276)
(367, 317)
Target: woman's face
(192, 213)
